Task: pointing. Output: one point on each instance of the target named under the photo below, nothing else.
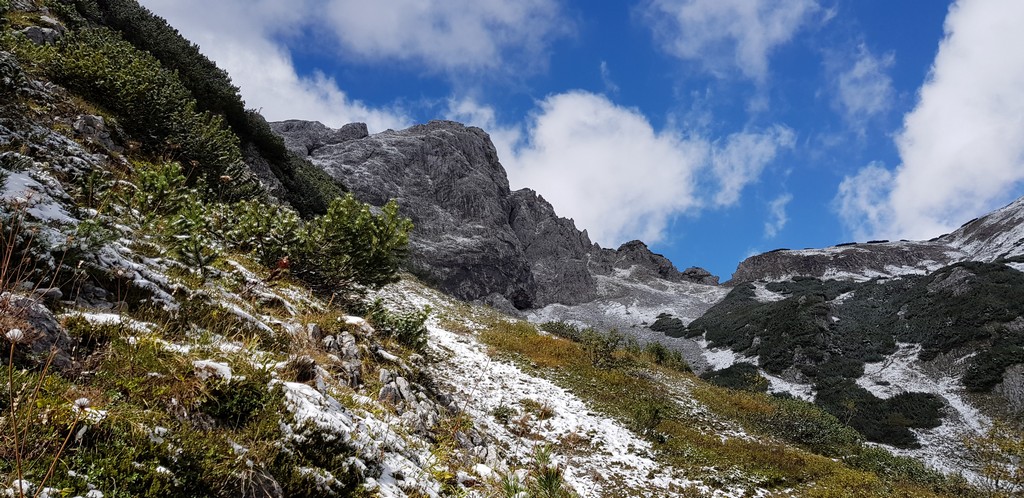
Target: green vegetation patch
(744, 376)
(828, 330)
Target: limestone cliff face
(473, 236)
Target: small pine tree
(351, 247)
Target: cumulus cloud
(727, 35)
(960, 147)
(261, 67)
(864, 89)
(605, 166)
(447, 34)
(777, 216)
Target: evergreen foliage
(150, 103)
(669, 325)
(742, 375)
(306, 187)
(971, 304)
(350, 246)
(409, 328)
(269, 231)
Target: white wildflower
(15, 336)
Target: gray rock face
(94, 129)
(473, 236)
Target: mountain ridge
(474, 236)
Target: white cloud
(447, 34)
(742, 158)
(961, 147)
(862, 201)
(244, 38)
(606, 166)
(778, 217)
(864, 88)
(727, 35)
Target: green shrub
(237, 401)
(600, 347)
(744, 376)
(802, 423)
(192, 241)
(894, 468)
(660, 354)
(307, 188)
(350, 246)
(880, 420)
(408, 329)
(159, 190)
(269, 231)
(150, 103)
(646, 417)
(988, 367)
(562, 329)
(669, 325)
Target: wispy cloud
(961, 147)
(606, 78)
(742, 157)
(726, 36)
(777, 216)
(863, 87)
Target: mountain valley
(196, 302)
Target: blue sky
(712, 129)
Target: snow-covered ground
(601, 457)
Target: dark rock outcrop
(473, 236)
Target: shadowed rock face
(473, 236)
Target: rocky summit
(474, 237)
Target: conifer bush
(269, 231)
(351, 247)
(151, 103)
(408, 328)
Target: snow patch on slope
(904, 372)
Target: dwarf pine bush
(148, 101)
(352, 247)
(271, 232)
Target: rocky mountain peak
(473, 236)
